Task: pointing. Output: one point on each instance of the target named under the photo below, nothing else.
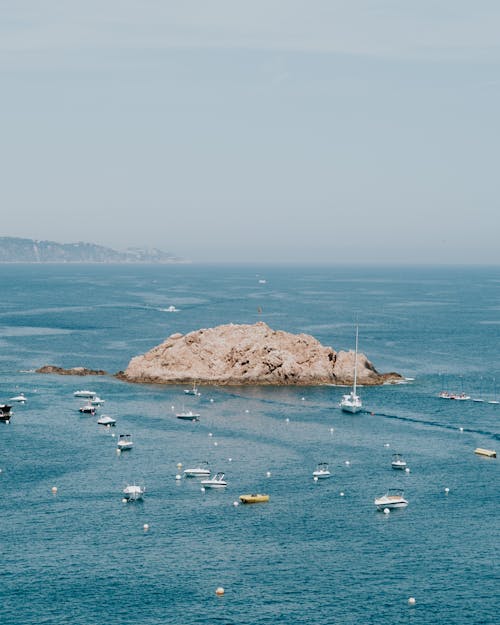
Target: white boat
(87, 409)
(393, 498)
(188, 416)
(217, 481)
(105, 420)
(322, 471)
(398, 462)
(96, 401)
(192, 391)
(171, 309)
(456, 396)
(124, 442)
(133, 492)
(201, 470)
(5, 413)
(352, 402)
(21, 398)
(84, 394)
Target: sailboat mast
(355, 363)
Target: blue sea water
(311, 555)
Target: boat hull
(254, 498)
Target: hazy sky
(223, 130)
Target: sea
(318, 552)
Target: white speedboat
(192, 391)
(398, 462)
(352, 402)
(133, 492)
(96, 401)
(87, 409)
(217, 481)
(393, 498)
(201, 470)
(84, 394)
(322, 471)
(21, 398)
(171, 309)
(105, 420)
(188, 416)
(124, 442)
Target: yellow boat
(490, 453)
(253, 498)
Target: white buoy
(178, 477)
(303, 398)
(315, 478)
(215, 443)
(446, 490)
(386, 445)
(247, 411)
(210, 434)
(118, 451)
(113, 435)
(54, 489)
(179, 465)
(172, 407)
(229, 459)
(332, 430)
(211, 400)
(461, 429)
(386, 511)
(342, 494)
(347, 463)
(268, 474)
(407, 470)
(219, 591)
(145, 527)
(411, 601)
(124, 500)
(235, 503)
(202, 489)
(287, 420)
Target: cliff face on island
(250, 355)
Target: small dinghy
(21, 398)
(256, 498)
(84, 394)
(188, 416)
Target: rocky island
(250, 355)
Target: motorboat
(352, 402)
(456, 396)
(84, 394)
(87, 409)
(217, 481)
(133, 492)
(188, 416)
(398, 462)
(254, 498)
(322, 471)
(124, 442)
(106, 420)
(21, 398)
(5, 413)
(192, 391)
(393, 498)
(171, 309)
(96, 401)
(201, 470)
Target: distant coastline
(21, 251)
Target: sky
(322, 131)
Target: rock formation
(250, 355)
(72, 371)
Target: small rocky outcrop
(72, 371)
(250, 355)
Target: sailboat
(352, 402)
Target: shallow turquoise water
(308, 556)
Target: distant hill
(18, 250)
